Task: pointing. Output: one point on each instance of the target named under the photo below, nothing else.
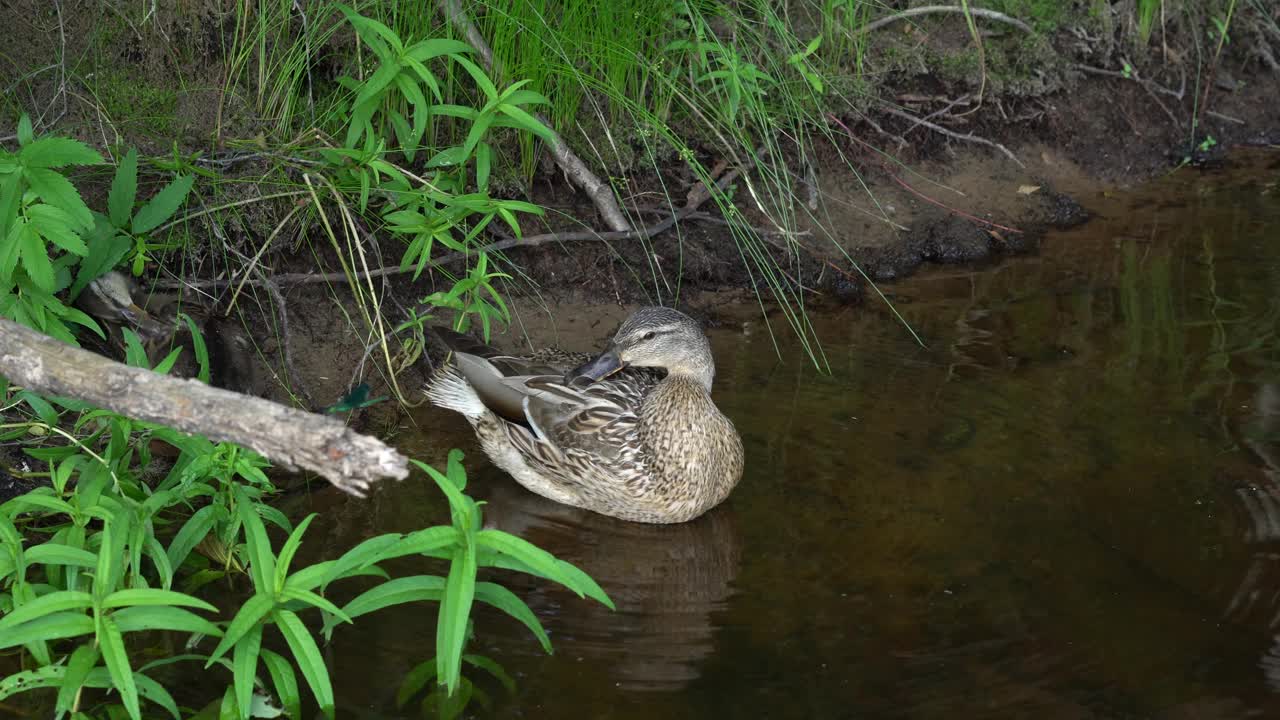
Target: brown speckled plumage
(645, 444)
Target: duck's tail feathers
(448, 389)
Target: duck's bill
(599, 367)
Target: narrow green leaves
(307, 655)
(111, 643)
(163, 205)
(124, 190)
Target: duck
(631, 433)
(112, 299)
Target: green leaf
(455, 610)
(527, 122)
(285, 681)
(314, 600)
(493, 669)
(582, 584)
(247, 618)
(83, 659)
(155, 692)
(124, 190)
(376, 84)
(308, 657)
(56, 190)
(287, 552)
(112, 644)
(25, 132)
(482, 80)
(57, 227)
(262, 564)
(368, 28)
(245, 668)
(192, 532)
(397, 592)
(42, 677)
(54, 602)
(155, 551)
(152, 597)
(56, 554)
(163, 205)
(435, 47)
(509, 603)
(198, 347)
(138, 618)
(55, 152)
(50, 627)
(34, 258)
(47, 502)
(415, 680)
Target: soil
(1076, 135)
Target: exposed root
(967, 137)
(938, 9)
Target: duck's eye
(650, 335)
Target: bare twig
(289, 437)
(967, 137)
(936, 9)
(1149, 84)
(600, 192)
(1225, 118)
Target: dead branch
(969, 137)
(599, 191)
(697, 197)
(936, 9)
(289, 437)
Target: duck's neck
(704, 375)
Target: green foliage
(43, 226)
(92, 559)
(50, 235)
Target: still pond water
(1066, 506)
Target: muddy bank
(940, 200)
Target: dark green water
(1067, 506)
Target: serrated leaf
(53, 188)
(56, 152)
(163, 205)
(124, 190)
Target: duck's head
(110, 298)
(655, 337)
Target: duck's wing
(600, 420)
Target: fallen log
(289, 437)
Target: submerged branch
(289, 437)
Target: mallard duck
(110, 299)
(632, 433)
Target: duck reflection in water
(667, 582)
